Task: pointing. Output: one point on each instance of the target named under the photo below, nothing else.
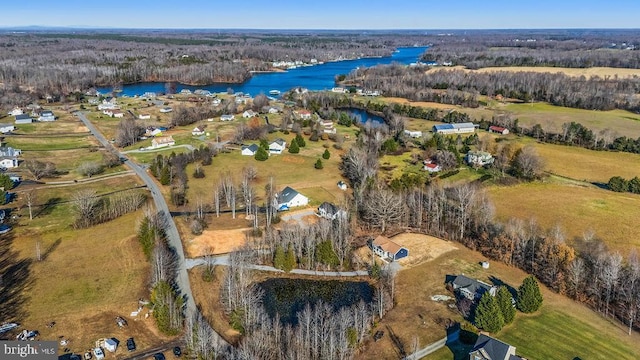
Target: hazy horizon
(324, 15)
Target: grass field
(575, 72)
(577, 209)
(87, 277)
(563, 329)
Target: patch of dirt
(292, 159)
(422, 248)
(216, 242)
(81, 129)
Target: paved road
(182, 278)
(147, 150)
(223, 260)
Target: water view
(317, 77)
(287, 297)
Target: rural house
(249, 150)
(16, 111)
(9, 157)
(47, 115)
(413, 134)
(431, 167)
(289, 198)
(227, 117)
(304, 114)
(166, 109)
(447, 129)
(387, 249)
(330, 211)
(498, 130)
(144, 116)
(7, 128)
(249, 114)
(277, 146)
(488, 348)
(471, 289)
(23, 119)
(197, 131)
(162, 141)
(479, 158)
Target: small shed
(110, 345)
(485, 264)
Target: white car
(98, 353)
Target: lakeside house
(387, 249)
(289, 198)
(162, 141)
(448, 129)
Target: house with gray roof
(288, 198)
(460, 128)
(277, 146)
(472, 289)
(23, 119)
(9, 157)
(330, 211)
(488, 348)
(249, 150)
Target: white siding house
(289, 198)
(277, 146)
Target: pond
(287, 297)
(362, 116)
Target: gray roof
(286, 195)
(23, 117)
(494, 348)
(329, 208)
(252, 147)
(472, 285)
(7, 151)
(279, 141)
(46, 112)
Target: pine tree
(289, 259)
(529, 296)
(261, 154)
(300, 140)
(488, 316)
(293, 148)
(318, 165)
(278, 258)
(326, 155)
(504, 299)
(165, 175)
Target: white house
(8, 162)
(16, 111)
(431, 167)
(109, 100)
(328, 127)
(339, 90)
(479, 158)
(166, 109)
(249, 150)
(7, 128)
(413, 134)
(197, 131)
(47, 115)
(163, 141)
(277, 146)
(330, 211)
(106, 106)
(304, 114)
(227, 117)
(289, 198)
(9, 157)
(144, 116)
(216, 102)
(249, 114)
(23, 119)
(273, 110)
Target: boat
(7, 327)
(274, 92)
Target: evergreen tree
(325, 254)
(529, 296)
(300, 140)
(264, 144)
(504, 299)
(165, 175)
(488, 316)
(278, 258)
(261, 154)
(293, 148)
(6, 182)
(289, 259)
(318, 165)
(326, 155)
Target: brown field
(577, 209)
(422, 248)
(214, 242)
(575, 72)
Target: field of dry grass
(577, 209)
(575, 72)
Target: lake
(287, 297)
(317, 77)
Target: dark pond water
(289, 296)
(318, 77)
(363, 117)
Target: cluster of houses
(36, 114)
(276, 147)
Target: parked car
(98, 353)
(131, 345)
(158, 356)
(177, 351)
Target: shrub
(293, 148)
(198, 173)
(261, 154)
(318, 165)
(326, 154)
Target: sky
(327, 14)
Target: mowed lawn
(551, 118)
(577, 209)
